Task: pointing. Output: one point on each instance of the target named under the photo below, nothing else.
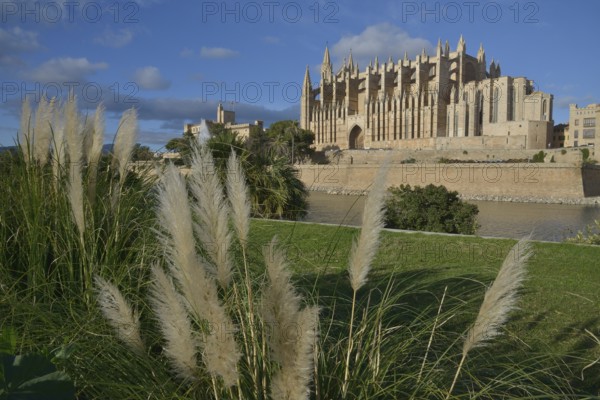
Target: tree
(183, 146)
(289, 139)
(432, 208)
(275, 189)
(142, 153)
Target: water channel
(551, 222)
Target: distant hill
(7, 148)
(106, 149)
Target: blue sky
(175, 61)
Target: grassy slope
(560, 299)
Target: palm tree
(275, 190)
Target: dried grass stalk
(364, 249)
(199, 289)
(74, 146)
(213, 213)
(120, 315)
(292, 332)
(180, 344)
(237, 192)
(43, 131)
(25, 139)
(499, 300)
(125, 141)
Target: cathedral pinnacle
(481, 53)
(462, 46)
(307, 82)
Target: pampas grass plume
(75, 151)
(499, 300)
(281, 312)
(213, 213)
(180, 345)
(237, 192)
(121, 316)
(98, 137)
(125, 141)
(364, 249)
(190, 271)
(58, 143)
(43, 131)
(25, 131)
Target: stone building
(559, 135)
(227, 118)
(448, 100)
(584, 125)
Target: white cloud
(217, 52)
(271, 39)
(382, 40)
(565, 101)
(14, 42)
(116, 39)
(149, 78)
(65, 69)
(186, 53)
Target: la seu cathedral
(450, 100)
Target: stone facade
(551, 182)
(417, 103)
(584, 125)
(559, 135)
(227, 118)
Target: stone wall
(517, 181)
(560, 155)
(591, 180)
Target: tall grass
(270, 345)
(55, 237)
(201, 307)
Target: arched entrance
(356, 140)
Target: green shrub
(585, 154)
(431, 208)
(30, 376)
(539, 157)
(563, 152)
(591, 235)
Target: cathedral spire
(447, 49)
(405, 56)
(350, 60)
(326, 58)
(462, 46)
(424, 53)
(439, 48)
(376, 63)
(307, 83)
(481, 53)
(326, 68)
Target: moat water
(551, 222)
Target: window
(576, 134)
(495, 99)
(589, 122)
(589, 133)
(576, 122)
(545, 108)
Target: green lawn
(545, 339)
(560, 300)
